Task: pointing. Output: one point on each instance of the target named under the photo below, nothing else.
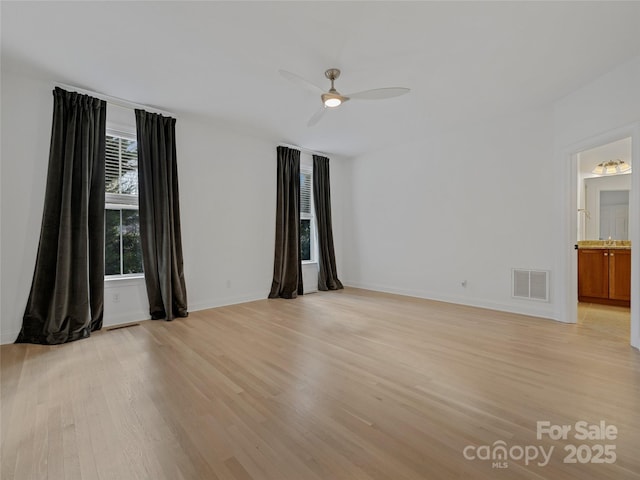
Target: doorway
(603, 233)
(605, 320)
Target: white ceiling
(465, 62)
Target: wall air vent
(530, 284)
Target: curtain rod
(114, 100)
(305, 150)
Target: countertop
(605, 244)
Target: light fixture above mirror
(612, 167)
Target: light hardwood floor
(606, 319)
(341, 385)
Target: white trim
(121, 206)
(114, 100)
(533, 309)
(566, 288)
(225, 301)
(120, 279)
(123, 319)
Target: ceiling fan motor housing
(332, 98)
(332, 74)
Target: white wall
(468, 205)
(604, 110)
(227, 200)
(423, 217)
(606, 103)
(26, 133)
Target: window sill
(121, 278)
(309, 262)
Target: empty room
(319, 240)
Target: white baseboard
(128, 317)
(10, 337)
(223, 302)
(530, 310)
(139, 316)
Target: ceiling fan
(333, 98)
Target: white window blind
(305, 193)
(121, 170)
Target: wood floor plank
(347, 385)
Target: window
(122, 252)
(307, 220)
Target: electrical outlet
(116, 297)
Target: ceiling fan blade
(298, 80)
(379, 93)
(316, 117)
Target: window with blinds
(121, 170)
(307, 221)
(123, 252)
(305, 192)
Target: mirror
(614, 214)
(606, 207)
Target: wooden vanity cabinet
(620, 274)
(593, 273)
(604, 276)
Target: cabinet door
(593, 273)
(620, 274)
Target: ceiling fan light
(331, 101)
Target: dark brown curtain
(327, 272)
(66, 301)
(160, 232)
(287, 265)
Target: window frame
(120, 202)
(313, 250)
